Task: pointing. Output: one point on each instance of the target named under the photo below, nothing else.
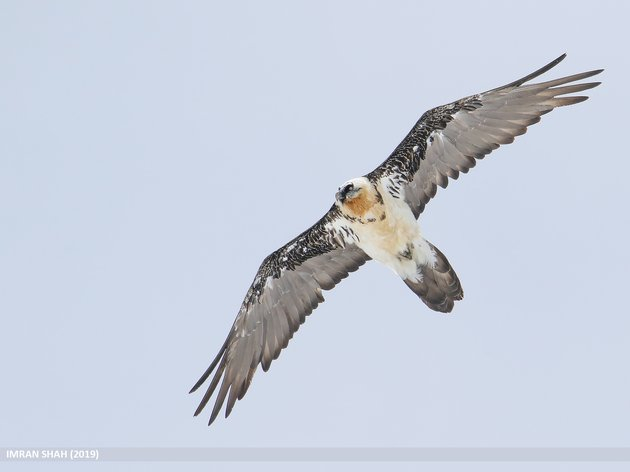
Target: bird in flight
(375, 217)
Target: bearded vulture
(374, 217)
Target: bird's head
(356, 197)
(349, 191)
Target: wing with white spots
(286, 289)
(449, 139)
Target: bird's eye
(347, 188)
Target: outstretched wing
(449, 139)
(287, 288)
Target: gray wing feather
(449, 139)
(286, 289)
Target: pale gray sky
(153, 153)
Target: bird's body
(385, 228)
(375, 217)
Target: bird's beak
(343, 194)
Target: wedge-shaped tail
(439, 286)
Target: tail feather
(439, 286)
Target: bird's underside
(374, 217)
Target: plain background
(153, 153)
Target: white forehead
(358, 182)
